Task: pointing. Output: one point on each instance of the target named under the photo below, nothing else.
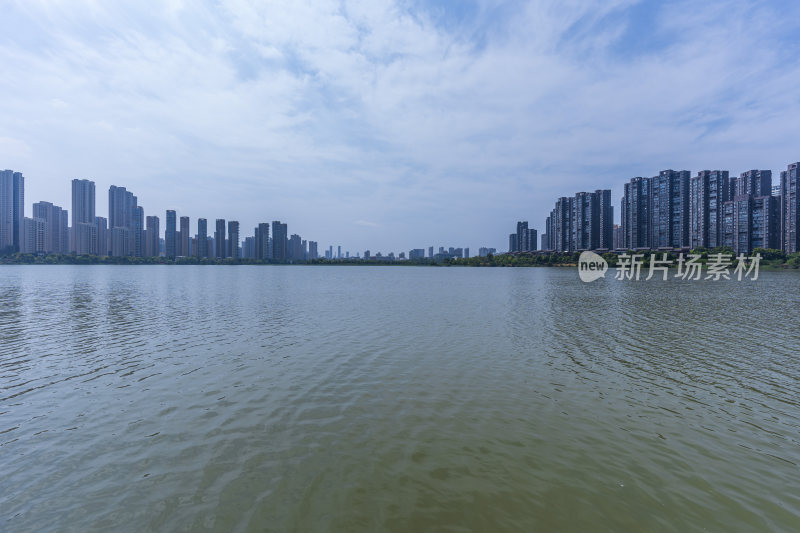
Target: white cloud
(438, 133)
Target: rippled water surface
(395, 399)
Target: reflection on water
(331, 398)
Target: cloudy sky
(390, 125)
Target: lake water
(290, 398)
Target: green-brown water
(395, 399)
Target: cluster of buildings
(128, 232)
(676, 211)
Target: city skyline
(390, 121)
(672, 210)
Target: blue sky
(390, 125)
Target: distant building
(483, 252)
(756, 183)
(12, 211)
(170, 240)
(751, 223)
(263, 250)
(84, 229)
(56, 230)
(635, 214)
(708, 191)
(790, 208)
(220, 249)
(202, 238)
(233, 239)
(138, 233)
(618, 238)
(279, 240)
(185, 240)
(151, 236)
(102, 235)
(295, 248)
(33, 236)
(121, 203)
(249, 248)
(312, 250)
(582, 222)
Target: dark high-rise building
(137, 232)
(790, 208)
(233, 239)
(582, 222)
(560, 232)
(755, 183)
(635, 216)
(546, 244)
(669, 209)
(751, 223)
(202, 238)
(84, 230)
(262, 248)
(12, 210)
(513, 242)
(708, 191)
(605, 230)
(220, 250)
(522, 244)
(279, 240)
(170, 239)
(183, 248)
(533, 240)
(152, 234)
(312, 250)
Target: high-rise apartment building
(121, 203)
(33, 236)
(669, 209)
(170, 237)
(312, 250)
(262, 248)
(56, 238)
(708, 191)
(294, 251)
(12, 210)
(582, 222)
(137, 232)
(755, 183)
(152, 234)
(279, 240)
(84, 229)
(102, 235)
(233, 239)
(790, 208)
(183, 248)
(635, 215)
(202, 238)
(220, 248)
(751, 223)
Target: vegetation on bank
(770, 258)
